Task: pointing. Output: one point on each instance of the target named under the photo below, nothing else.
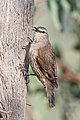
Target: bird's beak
(34, 28)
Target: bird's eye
(43, 31)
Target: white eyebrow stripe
(44, 30)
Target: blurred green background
(62, 20)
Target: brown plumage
(42, 61)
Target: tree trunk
(15, 28)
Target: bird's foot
(25, 74)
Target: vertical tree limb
(15, 28)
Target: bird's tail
(51, 98)
(50, 93)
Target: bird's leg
(25, 74)
(31, 74)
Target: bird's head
(40, 33)
(40, 30)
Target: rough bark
(15, 28)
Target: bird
(43, 63)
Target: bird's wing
(47, 64)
